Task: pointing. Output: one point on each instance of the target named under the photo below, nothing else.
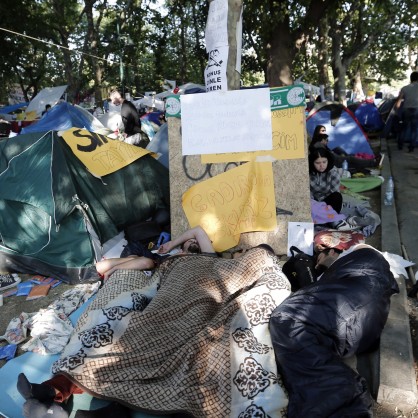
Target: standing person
(130, 119)
(409, 97)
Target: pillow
(336, 239)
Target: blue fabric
(61, 117)
(369, 117)
(344, 131)
(12, 108)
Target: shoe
(8, 280)
(345, 226)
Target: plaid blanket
(199, 345)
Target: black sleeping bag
(313, 329)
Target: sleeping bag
(313, 329)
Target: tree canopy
(134, 45)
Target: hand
(165, 248)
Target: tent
(369, 117)
(188, 88)
(64, 116)
(49, 95)
(159, 145)
(343, 128)
(52, 209)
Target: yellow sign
(288, 133)
(100, 154)
(239, 200)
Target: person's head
(325, 258)
(414, 76)
(321, 139)
(115, 98)
(319, 129)
(320, 160)
(191, 246)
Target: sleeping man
(193, 241)
(340, 315)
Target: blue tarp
(12, 108)
(61, 117)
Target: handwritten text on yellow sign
(239, 200)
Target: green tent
(51, 206)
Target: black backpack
(300, 269)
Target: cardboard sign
(100, 154)
(239, 200)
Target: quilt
(192, 338)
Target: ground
(13, 306)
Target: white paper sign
(226, 121)
(301, 235)
(215, 72)
(216, 33)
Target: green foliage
(86, 43)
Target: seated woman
(325, 183)
(320, 139)
(193, 241)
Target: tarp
(64, 116)
(159, 145)
(49, 95)
(343, 128)
(9, 109)
(48, 199)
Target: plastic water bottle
(346, 174)
(389, 192)
(345, 165)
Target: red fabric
(336, 239)
(64, 386)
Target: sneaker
(8, 280)
(345, 226)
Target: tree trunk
(280, 53)
(323, 29)
(234, 13)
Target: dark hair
(316, 131)
(320, 152)
(414, 76)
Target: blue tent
(64, 116)
(343, 128)
(369, 117)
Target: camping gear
(203, 329)
(369, 117)
(48, 95)
(362, 184)
(64, 116)
(300, 269)
(343, 128)
(56, 216)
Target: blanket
(199, 345)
